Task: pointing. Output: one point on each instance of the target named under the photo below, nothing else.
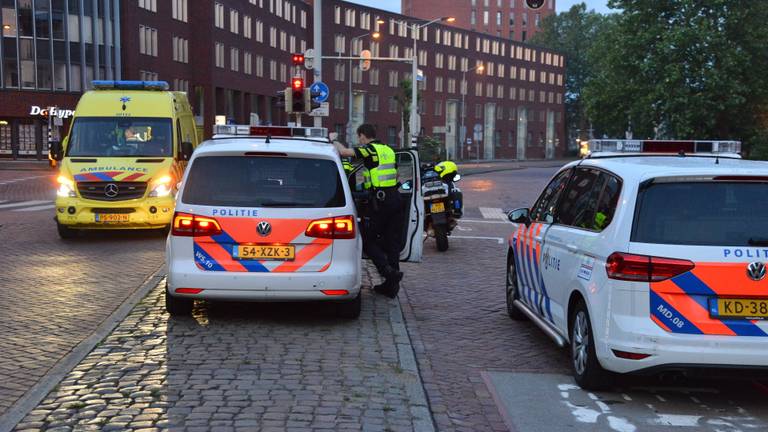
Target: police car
(265, 214)
(644, 261)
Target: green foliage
(403, 99)
(573, 34)
(430, 149)
(692, 69)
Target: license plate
(742, 308)
(437, 208)
(259, 252)
(108, 217)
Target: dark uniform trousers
(384, 230)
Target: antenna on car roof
(269, 137)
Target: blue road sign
(321, 90)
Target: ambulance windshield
(121, 137)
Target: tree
(573, 33)
(403, 99)
(430, 149)
(695, 69)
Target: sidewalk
(24, 165)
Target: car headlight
(66, 188)
(161, 187)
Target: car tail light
(643, 268)
(630, 355)
(189, 225)
(335, 292)
(333, 228)
(189, 290)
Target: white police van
(266, 214)
(647, 261)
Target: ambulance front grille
(112, 191)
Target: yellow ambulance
(126, 151)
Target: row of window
(147, 41)
(512, 4)
(499, 19)
(281, 8)
(448, 37)
(179, 9)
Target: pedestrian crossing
(26, 206)
(492, 213)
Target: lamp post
(374, 35)
(415, 71)
(479, 68)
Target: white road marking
(25, 204)
(678, 420)
(29, 209)
(461, 228)
(492, 213)
(497, 239)
(483, 221)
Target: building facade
(511, 19)
(233, 58)
(512, 109)
(51, 50)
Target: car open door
(409, 186)
(409, 182)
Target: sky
(561, 5)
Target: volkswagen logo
(111, 190)
(756, 271)
(264, 229)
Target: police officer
(381, 235)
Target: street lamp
(415, 71)
(479, 68)
(374, 35)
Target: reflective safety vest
(384, 175)
(348, 167)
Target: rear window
(703, 213)
(240, 181)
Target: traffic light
(298, 59)
(298, 104)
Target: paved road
(297, 367)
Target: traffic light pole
(318, 39)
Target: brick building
(233, 57)
(510, 19)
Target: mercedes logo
(264, 228)
(111, 190)
(756, 271)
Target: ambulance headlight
(66, 188)
(161, 187)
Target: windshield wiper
(759, 241)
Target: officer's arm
(344, 151)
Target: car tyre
(178, 306)
(513, 293)
(441, 237)
(66, 232)
(349, 309)
(587, 371)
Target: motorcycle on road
(443, 201)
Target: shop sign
(52, 111)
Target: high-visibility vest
(384, 175)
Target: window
(219, 55)
(394, 79)
(234, 21)
(451, 85)
(219, 15)
(337, 14)
(393, 108)
(259, 31)
(273, 70)
(338, 101)
(283, 72)
(259, 181)
(339, 71)
(179, 10)
(438, 108)
(180, 50)
(150, 5)
(340, 43)
(579, 200)
(259, 66)
(247, 63)
(373, 102)
(439, 84)
(544, 208)
(498, 18)
(373, 77)
(478, 111)
(247, 27)
(148, 41)
(272, 37)
(234, 59)
(392, 136)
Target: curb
(59, 371)
(422, 415)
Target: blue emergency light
(130, 85)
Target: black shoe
(387, 289)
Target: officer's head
(366, 133)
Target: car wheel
(349, 309)
(178, 306)
(513, 293)
(587, 371)
(441, 237)
(66, 232)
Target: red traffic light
(298, 59)
(297, 83)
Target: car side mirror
(407, 185)
(520, 216)
(57, 150)
(457, 177)
(186, 150)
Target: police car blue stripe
(544, 294)
(673, 319)
(697, 290)
(519, 267)
(205, 261)
(526, 271)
